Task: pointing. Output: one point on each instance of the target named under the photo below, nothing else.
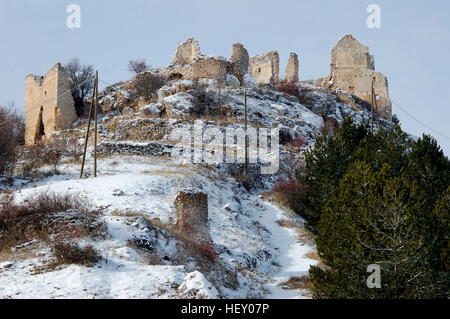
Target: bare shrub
(205, 250)
(137, 66)
(147, 84)
(12, 130)
(298, 142)
(81, 79)
(51, 153)
(68, 253)
(301, 282)
(288, 88)
(287, 193)
(42, 154)
(61, 217)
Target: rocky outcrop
(292, 68)
(353, 70)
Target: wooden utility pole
(245, 133)
(96, 112)
(91, 109)
(373, 102)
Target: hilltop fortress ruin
(353, 70)
(49, 108)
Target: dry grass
(295, 283)
(67, 253)
(27, 229)
(315, 256)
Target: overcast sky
(412, 47)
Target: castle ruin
(265, 68)
(353, 70)
(292, 68)
(49, 105)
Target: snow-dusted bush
(147, 84)
(39, 217)
(72, 253)
(11, 135)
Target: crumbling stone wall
(46, 106)
(191, 209)
(239, 61)
(292, 68)
(353, 70)
(207, 67)
(188, 63)
(265, 68)
(187, 52)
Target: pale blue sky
(412, 48)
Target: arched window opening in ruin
(41, 133)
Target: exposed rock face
(46, 108)
(187, 52)
(292, 68)
(353, 70)
(239, 61)
(265, 68)
(191, 208)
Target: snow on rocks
(249, 81)
(195, 285)
(232, 81)
(153, 109)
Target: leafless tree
(12, 128)
(137, 66)
(82, 78)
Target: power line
(417, 120)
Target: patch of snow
(232, 81)
(195, 285)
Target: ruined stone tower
(239, 61)
(47, 109)
(353, 70)
(265, 68)
(292, 68)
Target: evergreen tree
(378, 199)
(370, 220)
(326, 163)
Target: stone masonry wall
(44, 102)
(292, 68)
(265, 68)
(353, 70)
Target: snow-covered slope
(130, 190)
(260, 247)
